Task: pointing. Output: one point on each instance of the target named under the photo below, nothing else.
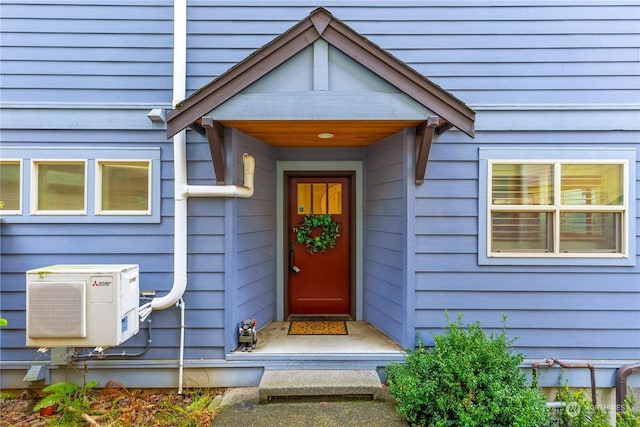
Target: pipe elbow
(622, 373)
(249, 163)
(168, 300)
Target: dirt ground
(18, 411)
(115, 405)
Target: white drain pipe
(182, 190)
(181, 361)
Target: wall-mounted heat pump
(82, 305)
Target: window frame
(20, 187)
(89, 155)
(35, 190)
(558, 157)
(99, 210)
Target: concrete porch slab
(363, 338)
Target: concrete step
(319, 382)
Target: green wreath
(323, 241)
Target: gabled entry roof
(321, 25)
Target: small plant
(70, 398)
(197, 409)
(579, 410)
(466, 379)
(627, 417)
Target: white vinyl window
(123, 187)
(10, 187)
(557, 208)
(59, 187)
(80, 184)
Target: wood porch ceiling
(304, 133)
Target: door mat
(318, 327)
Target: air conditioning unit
(82, 305)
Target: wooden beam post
(424, 137)
(215, 136)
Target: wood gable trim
(401, 76)
(321, 24)
(251, 69)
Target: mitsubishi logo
(97, 284)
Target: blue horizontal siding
(251, 267)
(65, 52)
(541, 137)
(88, 10)
(384, 290)
(447, 225)
(466, 261)
(518, 281)
(33, 245)
(540, 319)
(206, 249)
(527, 53)
(148, 262)
(159, 57)
(149, 280)
(504, 299)
(563, 311)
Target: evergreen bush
(466, 379)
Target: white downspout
(181, 361)
(182, 190)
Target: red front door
(319, 283)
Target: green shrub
(627, 417)
(579, 411)
(466, 379)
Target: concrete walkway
(240, 408)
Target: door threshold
(316, 317)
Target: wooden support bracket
(424, 138)
(443, 128)
(196, 127)
(215, 136)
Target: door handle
(292, 254)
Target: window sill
(80, 219)
(560, 260)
